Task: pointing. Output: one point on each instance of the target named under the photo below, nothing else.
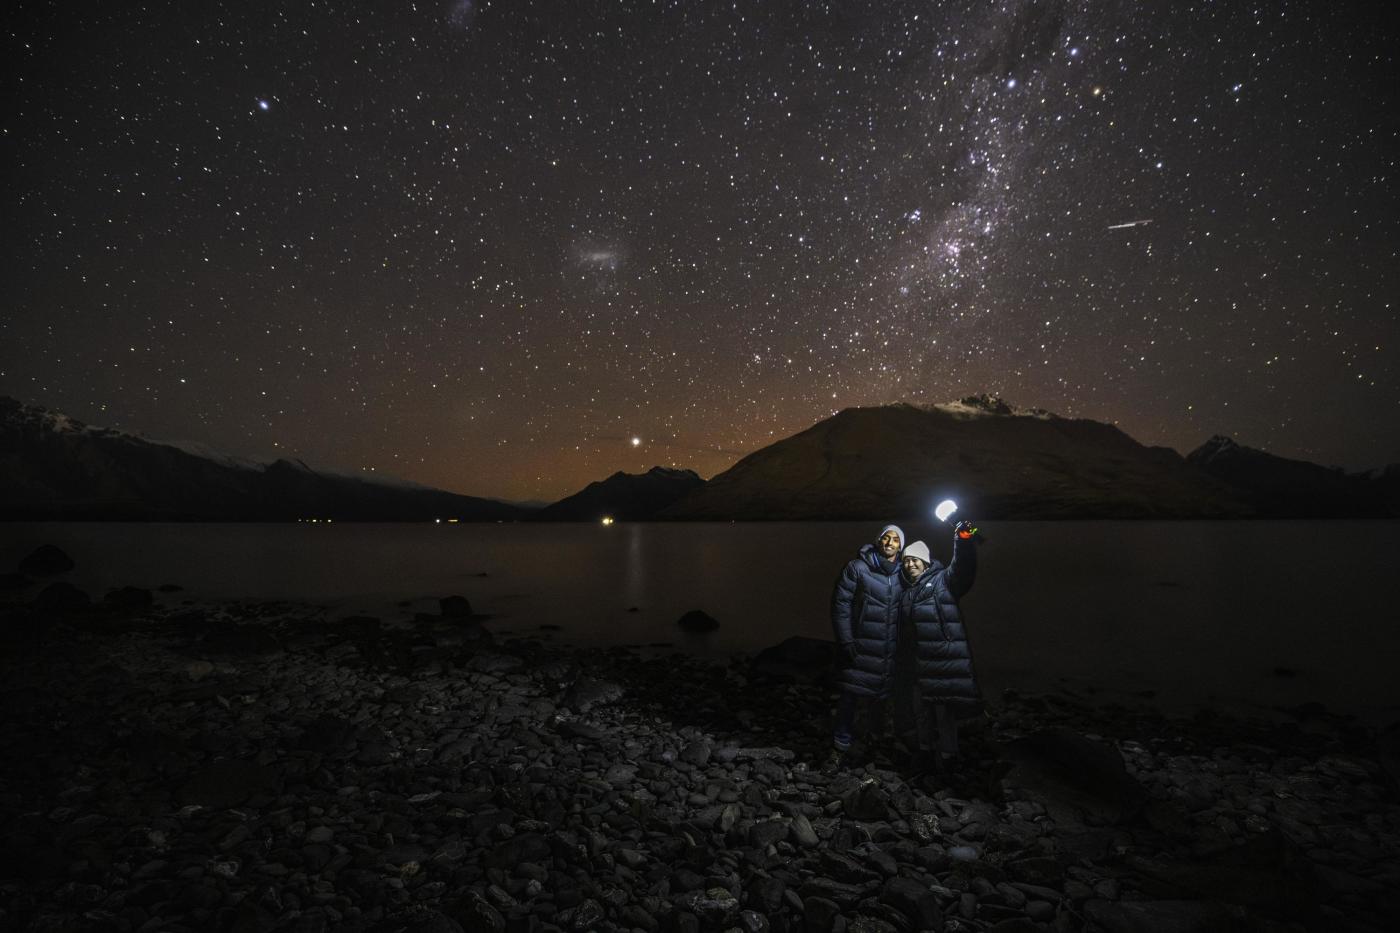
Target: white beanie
(918, 549)
(896, 529)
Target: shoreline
(257, 766)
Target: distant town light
(607, 519)
(636, 442)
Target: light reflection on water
(1253, 612)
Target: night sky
(485, 246)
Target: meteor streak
(1131, 223)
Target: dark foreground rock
(46, 561)
(255, 767)
(697, 620)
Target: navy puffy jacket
(928, 610)
(864, 609)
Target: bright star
(264, 105)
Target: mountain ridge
(53, 466)
(998, 460)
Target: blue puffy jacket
(931, 625)
(864, 607)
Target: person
(864, 604)
(935, 658)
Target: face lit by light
(913, 567)
(889, 545)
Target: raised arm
(962, 569)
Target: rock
(714, 906)
(455, 607)
(1037, 870)
(45, 561)
(128, 599)
(962, 854)
(696, 752)
(847, 896)
(915, 901)
(1017, 925)
(620, 774)
(492, 662)
(325, 734)
(419, 919)
(799, 659)
(697, 621)
(866, 801)
(819, 915)
(227, 783)
(802, 832)
(525, 847)
(765, 833)
(1158, 916)
(765, 894)
(61, 597)
(588, 692)
(574, 729)
(861, 924)
(1060, 768)
(751, 921)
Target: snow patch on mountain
(986, 406)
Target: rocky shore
(179, 766)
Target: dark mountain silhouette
(1278, 487)
(55, 467)
(624, 496)
(995, 460)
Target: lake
(1238, 614)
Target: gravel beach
(172, 765)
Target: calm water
(1202, 612)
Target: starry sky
(508, 248)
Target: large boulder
(45, 561)
(61, 597)
(800, 659)
(455, 607)
(128, 599)
(1072, 776)
(697, 621)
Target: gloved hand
(965, 530)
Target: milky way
(486, 245)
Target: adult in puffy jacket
(864, 612)
(935, 659)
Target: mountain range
(53, 467)
(996, 460)
(624, 496)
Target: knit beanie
(895, 529)
(918, 549)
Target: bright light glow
(636, 442)
(607, 519)
(945, 508)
